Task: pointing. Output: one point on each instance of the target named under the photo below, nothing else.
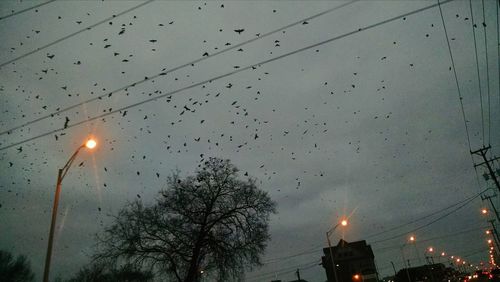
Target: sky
(368, 126)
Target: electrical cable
(421, 218)
(487, 75)
(25, 10)
(427, 224)
(380, 250)
(316, 249)
(165, 72)
(74, 33)
(225, 75)
(477, 67)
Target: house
(354, 261)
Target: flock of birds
(242, 117)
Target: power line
(74, 33)
(487, 74)
(422, 218)
(477, 66)
(453, 234)
(25, 10)
(164, 72)
(429, 223)
(226, 74)
(316, 249)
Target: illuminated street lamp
(90, 144)
(428, 255)
(484, 211)
(344, 223)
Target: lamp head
(91, 143)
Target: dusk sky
(367, 126)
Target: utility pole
(482, 152)
(298, 275)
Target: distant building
(354, 262)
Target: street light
(411, 239)
(89, 144)
(343, 222)
(430, 259)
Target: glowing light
(356, 277)
(489, 241)
(431, 249)
(484, 211)
(443, 254)
(488, 232)
(412, 238)
(91, 144)
(344, 222)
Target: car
(495, 275)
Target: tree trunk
(193, 272)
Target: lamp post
(328, 233)
(411, 240)
(428, 255)
(90, 144)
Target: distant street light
(484, 211)
(90, 144)
(343, 222)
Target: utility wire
(453, 234)
(316, 249)
(25, 10)
(164, 72)
(477, 66)
(487, 74)
(74, 33)
(460, 97)
(422, 218)
(226, 74)
(429, 223)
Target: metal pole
(404, 263)
(418, 254)
(331, 257)
(52, 227)
(394, 268)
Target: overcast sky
(368, 126)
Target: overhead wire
(429, 223)
(477, 68)
(168, 94)
(487, 74)
(459, 92)
(165, 72)
(316, 248)
(422, 218)
(75, 33)
(25, 10)
(452, 234)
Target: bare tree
(211, 223)
(17, 270)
